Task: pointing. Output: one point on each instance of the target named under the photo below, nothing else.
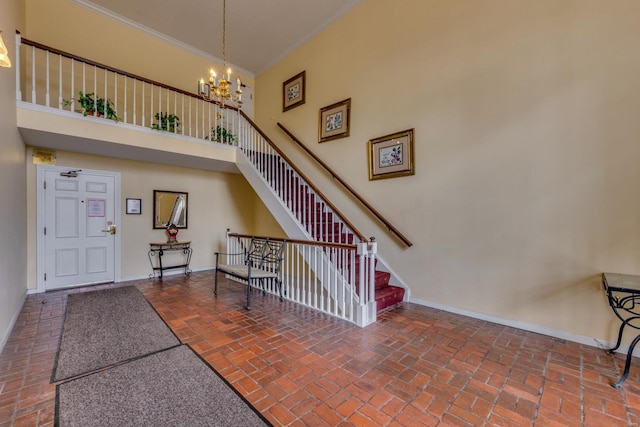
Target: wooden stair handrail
(305, 178)
(298, 241)
(353, 192)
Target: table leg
(160, 253)
(627, 364)
(619, 341)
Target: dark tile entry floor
(416, 366)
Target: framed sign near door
(134, 206)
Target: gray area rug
(173, 387)
(105, 327)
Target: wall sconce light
(4, 54)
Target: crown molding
(150, 31)
(314, 33)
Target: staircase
(302, 211)
(320, 221)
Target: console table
(161, 248)
(623, 293)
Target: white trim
(41, 219)
(150, 31)
(580, 339)
(172, 272)
(14, 319)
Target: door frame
(41, 217)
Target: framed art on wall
(392, 155)
(293, 91)
(335, 121)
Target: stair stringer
(276, 206)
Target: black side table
(623, 293)
(161, 248)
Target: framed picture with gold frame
(335, 121)
(293, 91)
(391, 156)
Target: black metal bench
(261, 261)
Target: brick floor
(416, 366)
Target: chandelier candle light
(220, 89)
(4, 54)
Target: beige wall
(526, 121)
(13, 244)
(217, 201)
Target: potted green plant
(89, 104)
(166, 122)
(222, 135)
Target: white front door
(79, 228)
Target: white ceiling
(259, 32)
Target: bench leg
(249, 294)
(215, 280)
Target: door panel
(79, 249)
(67, 262)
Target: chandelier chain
(224, 33)
(220, 89)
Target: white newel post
(372, 248)
(366, 312)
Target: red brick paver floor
(416, 366)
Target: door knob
(110, 230)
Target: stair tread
(388, 290)
(388, 297)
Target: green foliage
(222, 135)
(166, 122)
(89, 104)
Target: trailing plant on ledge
(90, 104)
(222, 135)
(166, 122)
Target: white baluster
(18, 74)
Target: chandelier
(219, 89)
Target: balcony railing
(55, 79)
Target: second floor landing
(55, 129)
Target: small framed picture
(134, 206)
(335, 121)
(392, 155)
(293, 91)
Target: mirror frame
(156, 194)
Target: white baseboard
(5, 338)
(175, 272)
(580, 339)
